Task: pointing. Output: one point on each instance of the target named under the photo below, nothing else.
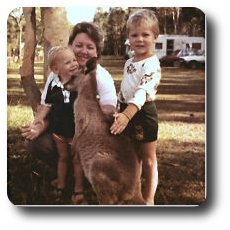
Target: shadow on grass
(16, 95)
(182, 169)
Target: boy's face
(65, 64)
(141, 40)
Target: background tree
(175, 11)
(181, 20)
(39, 34)
(112, 25)
(172, 20)
(193, 21)
(115, 29)
(100, 19)
(48, 26)
(27, 69)
(15, 26)
(162, 15)
(55, 31)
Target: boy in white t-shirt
(138, 112)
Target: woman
(86, 42)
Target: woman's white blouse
(105, 87)
(140, 81)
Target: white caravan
(166, 44)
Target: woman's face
(84, 48)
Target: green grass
(181, 144)
(17, 115)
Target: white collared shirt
(56, 82)
(105, 87)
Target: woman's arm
(106, 91)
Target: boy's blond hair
(53, 54)
(144, 16)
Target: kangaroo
(110, 163)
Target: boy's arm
(42, 112)
(122, 119)
(39, 124)
(40, 120)
(130, 111)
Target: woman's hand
(119, 124)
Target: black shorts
(143, 127)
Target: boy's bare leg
(149, 171)
(63, 155)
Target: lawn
(181, 146)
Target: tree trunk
(176, 15)
(55, 30)
(27, 69)
(165, 21)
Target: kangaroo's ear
(91, 64)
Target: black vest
(62, 115)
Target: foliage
(172, 20)
(115, 32)
(16, 29)
(15, 24)
(180, 20)
(193, 21)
